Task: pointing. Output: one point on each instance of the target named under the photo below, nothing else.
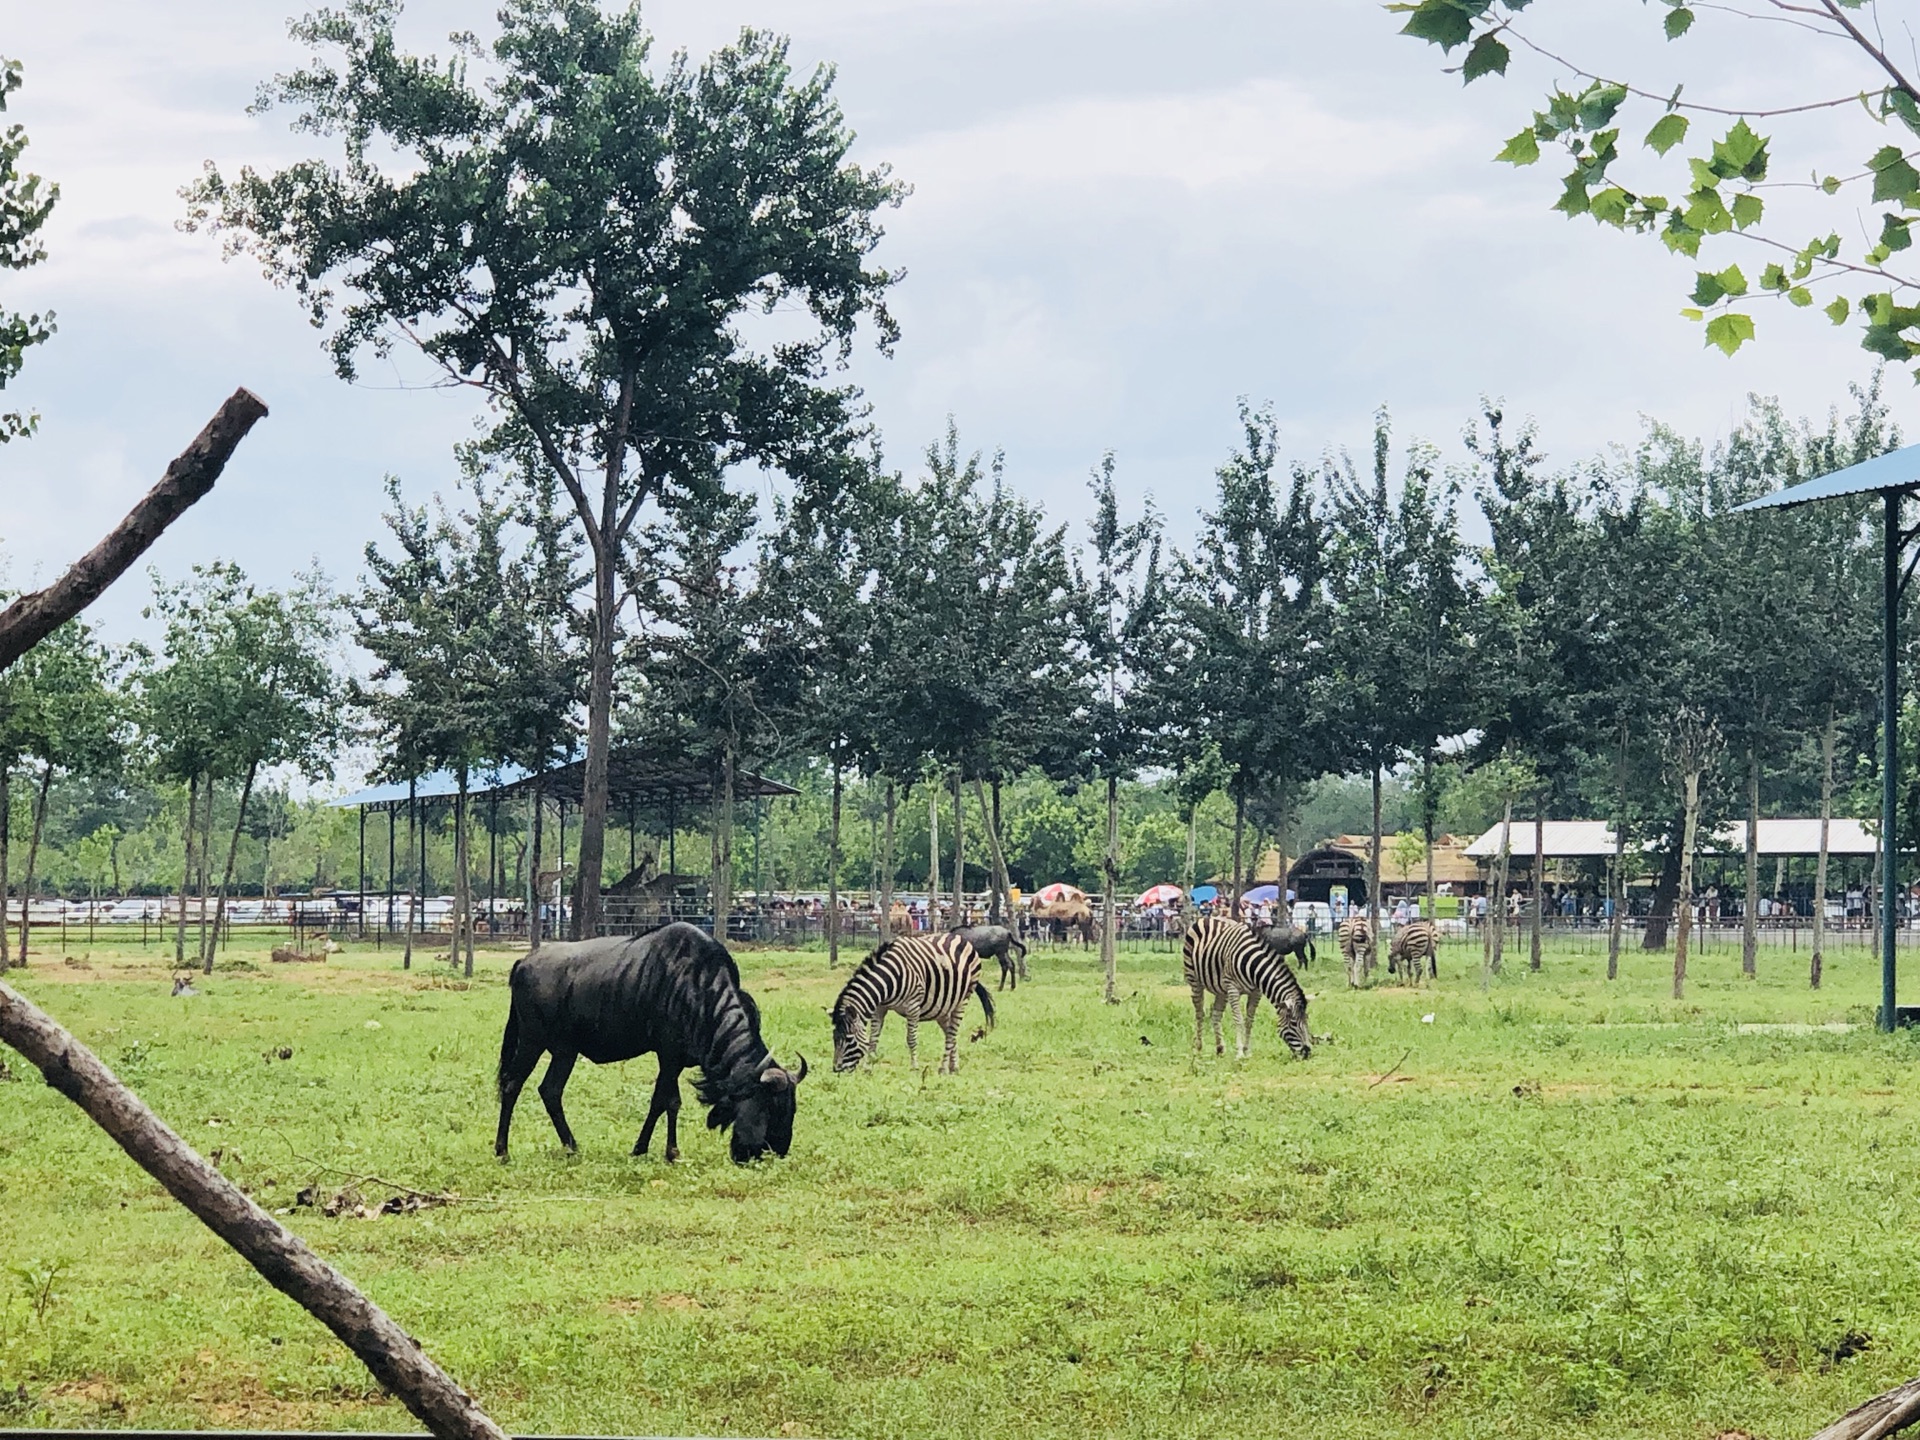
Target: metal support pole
(493, 861)
(392, 825)
(1889, 758)
(362, 911)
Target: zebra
(1355, 938)
(921, 977)
(1225, 958)
(1413, 942)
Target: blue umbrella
(1260, 894)
(1204, 893)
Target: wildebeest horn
(803, 1071)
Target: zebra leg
(950, 1062)
(1233, 1009)
(1219, 1009)
(1246, 1024)
(873, 1034)
(1199, 1017)
(913, 1044)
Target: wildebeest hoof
(673, 1153)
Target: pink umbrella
(1160, 895)
(1053, 894)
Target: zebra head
(1293, 1027)
(849, 1036)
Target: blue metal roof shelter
(1893, 476)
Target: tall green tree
(585, 237)
(25, 203)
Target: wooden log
(32, 617)
(1881, 1416)
(396, 1361)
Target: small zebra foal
(1225, 958)
(1413, 942)
(1355, 938)
(919, 977)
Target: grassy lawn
(1572, 1206)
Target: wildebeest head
(1293, 1027)
(760, 1112)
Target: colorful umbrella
(1204, 893)
(1160, 895)
(1260, 894)
(1053, 894)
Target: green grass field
(1571, 1207)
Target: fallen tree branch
(32, 617)
(1881, 1416)
(276, 1252)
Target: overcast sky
(1126, 214)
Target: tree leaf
(1893, 177)
(1679, 21)
(1668, 131)
(1800, 295)
(1727, 333)
(1746, 210)
(1441, 22)
(1741, 153)
(1522, 149)
(1487, 57)
(1609, 206)
(1707, 289)
(1894, 234)
(1773, 278)
(1837, 311)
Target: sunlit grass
(1560, 1205)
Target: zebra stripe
(918, 977)
(1226, 959)
(1355, 938)
(1413, 942)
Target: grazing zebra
(1413, 942)
(921, 977)
(1226, 959)
(1355, 938)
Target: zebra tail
(986, 1001)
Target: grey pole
(1890, 757)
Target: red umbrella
(1053, 894)
(1160, 895)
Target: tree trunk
(1666, 888)
(833, 873)
(1109, 895)
(1539, 909)
(1497, 912)
(1691, 784)
(722, 882)
(1002, 911)
(1373, 886)
(413, 890)
(192, 829)
(1239, 850)
(1193, 836)
(933, 855)
(6, 864)
(1750, 904)
(209, 790)
(1430, 907)
(959, 853)
(463, 877)
(887, 867)
(593, 791)
(226, 876)
(282, 1258)
(1617, 882)
(535, 890)
(33, 856)
(1820, 869)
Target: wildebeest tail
(509, 1042)
(1311, 956)
(1018, 945)
(986, 1001)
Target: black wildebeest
(675, 992)
(999, 942)
(1286, 940)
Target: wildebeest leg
(950, 1062)
(666, 1101)
(1008, 972)
(1199, 1017)
(552, 1086)
(513, 1078)
(1219, 1009)
(913, 1044)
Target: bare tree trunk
(211, 792)
(1002, 911)
(1373, 886)
(1820, 869)
(1193, 836)
(959, 853)
(1666, 889)
(1691, 782)
(1497, 912)
(1109, 894)
(536, 892)
(722, 881)
(887, 866)
(226, 876)
(186, 873)
(1239, 851)
(833, 872)
(1429, 907)
(1539, 877)
(933, 855)
(6, 865)
(282, 1258)
(33, 856)
(1750, 906)
(1617, 882)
